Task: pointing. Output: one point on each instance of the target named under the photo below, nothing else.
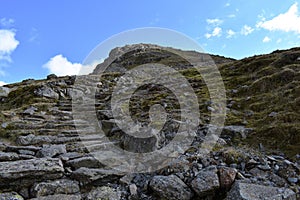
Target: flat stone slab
(26, 172)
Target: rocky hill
(46, 152)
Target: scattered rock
(273, 114)
(170, 187)
(247, 191)
(206, 183)
(30, 111)
(227, 177)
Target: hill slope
(46, 152)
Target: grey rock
(59, 197)
(133, 190)
(27, 152)
(63, 186)
(206, 183)
(51, 150)
(30, 111)
(103, 192)
(10, 196)
(46, 91)
(273, 114)
(89, 162)
(247, 191)
(4, 91)
(70, 155)
(51, 76)
(293, 180)
(230, 132)
(170, 187)
(96, 176)
(27, 172)
(227, 177)
(22, 148)
(8, 156)
(34, 140)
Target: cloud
(7, 22)
(287, 22)
(246, 30)
(214, 22)
(2, 83)
(266, 39)
(60, 66)
(230, 33)
(227, 4)
(231, 16)
(8, 44)
(217, 32)
(279, 41)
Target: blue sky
(42, 37)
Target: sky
(38, 38)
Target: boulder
(10, 196)
(103, 192)
(26, 172)
(34, 140)
(227, 176)
(206, 182)
(89, 162)
(62, 186)
(51, 150)
(170, 187)
(248, 191)
(96, 176)
(4, 91)
(46, 91)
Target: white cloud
(2, 83)
(7, 22)
(227, 4)
(8, 44)
(231, 16)
(287, 22)
(230, 33)
(60, 66)
(214, 22)
(217, 32)
(279, 41)
(266, 39)
(246, 30)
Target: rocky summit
(47, 147)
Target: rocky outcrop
(47, 154)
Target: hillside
(47, 146)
